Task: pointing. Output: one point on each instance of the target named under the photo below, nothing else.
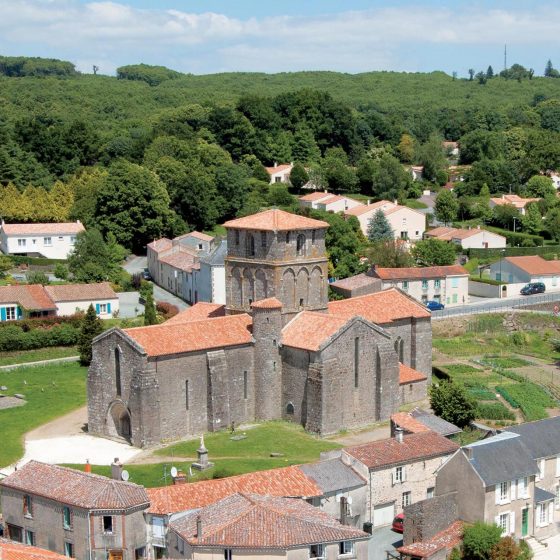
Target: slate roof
(414, 447)
(435, 423)
(448, 538)
(12, 550)
(380, 307)
(216, 257)
(63, 228)
(192, 336)
(542, 495)
(535, 265)
(31, 297)
(541, 438)
(286, 482)
(250, 521)
(276, 220)
(333, 475)
(500, 457)
(81, 292)
(76, 488)
(413, 273)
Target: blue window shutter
(19, 312)
(2, 314)
(108, 308)
(97, 308)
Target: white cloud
(116, 33)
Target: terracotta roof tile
(535, 265)
(250, 521)
(381, 307)
(441, 232)
(181, 260)
(12, 550)
(276, 220)
(193, 336)
(413, 273)
(315, 196)
(268, 303)
(405, 421)
(414, 447)
(77, 488)
(448, 538)
(200, 235)
(66, 228)
(409, 375)
(513, 200)
(199, 311)
(287, 482)
(278, 168)
(332, 198)
(31, 297)
(399, 208)
(308, 330)
(160, 245)
(364, 208)
(357, 281)
(81, 292)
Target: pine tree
(489, 73)
(379, 227)
(549, 68)
(91, 327)
(150, 310)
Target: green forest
(154, 152)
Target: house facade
(280, 173)
(328, 202)
(475, 238)
(75, 514)
(513, 200)
(53, 241)
(519, 271)
(445, 284)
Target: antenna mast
(505, 56)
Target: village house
(280, 173)
(77, 514)
(519, 271)
(399, 471)
(33, 300)
(417, 172)
(418, 420)
(444, 284)
(53, 241)
(328, 202)
(475, 238)
(407, 224)
(262, 527)
(452, 148)
(357, 285)
(277, 349)
(513, 200)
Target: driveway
(382, 540)
(129, 306)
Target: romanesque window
(187, 394)
(399, 348)
(290, 408)
(118, 371)
(356, 361)
(250, 245)
(245, 384)
(301, 244)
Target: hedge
(39, 261)
(516, 238)
(512, 252)
(484, 280)
(14, 338)
(44, 322)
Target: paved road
(129, 306)
(495, 305)
(383, 539)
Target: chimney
(275, 164)
(116, 469)
(468, 452)
(198, 527)
(181, 478)
(368, 201)
(396, 202)
(399, 434)
(87, 467)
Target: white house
(54, 241)
(280, 173)
(417, 172)
(328, 202)
(519, 271)
(475, 238)
(513, 200)
(406, 223)
(445, 284)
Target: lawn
(9, 358)
(50, 392)
(415, 204)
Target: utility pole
(505, 56)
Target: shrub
(494, 411)
(145, 289)
(451, 401)
(35, 277)
(14, 338)
(168, 310)
(44, 322)
(479, 539)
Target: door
(524, 522)
(383, 514)
(115, 555)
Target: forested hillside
(177, 151)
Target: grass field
(50, 392)
(9, 358)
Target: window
(187, 394)
(542, 517)
(540, 464)
(69, 549)
(244, 384)
(300, 244)
(47, 241)
(454, 298)
(557, 497)
(102, 308)
(301, 302)
(15, 533)
(522, 487)
(200, 246)
(313, 237)
(316, 551)
(437, 284)
(118, 371)
(404, 235)
(237, 237)
(72, 239)
(29, 537)
(228, 555)
(503, 523)
(61, 238)
(356, 361)
(66, 517)
(250, 242)
(290, 408)
(405, 285)
(287, 237)
(345, 547)
(263, 239)
(11, 313)
(454, 282)
(504, 492)
(430, 493)
(406, 499)
(398, 475)
(424, 284)
(180, 545)
(27, 506)
(277, 179)
(108, 524)
(21, 242)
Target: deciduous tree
(451, 401)
(434, 252)
(446, 206)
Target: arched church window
(301, 244)
(250, 245)
(290, 408)
(118, 371)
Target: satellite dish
(173, 471)
(125, 476)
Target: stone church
(278, 349)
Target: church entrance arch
(118, 421)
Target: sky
(208, 36)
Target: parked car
(533, 288)
(398, 523)
(146, 274)
(434, 305)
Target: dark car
(146, 274)
(398, 523)
(533, 288)
(434, 305)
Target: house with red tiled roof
(445, 284)
(400, 470)
(328, 202)
(13, 550)
(77, 514)
(53, 241)
(277, 349)
(279, 173)
(520, 271)
(513, 200)
(264, 527)
(474, 238)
